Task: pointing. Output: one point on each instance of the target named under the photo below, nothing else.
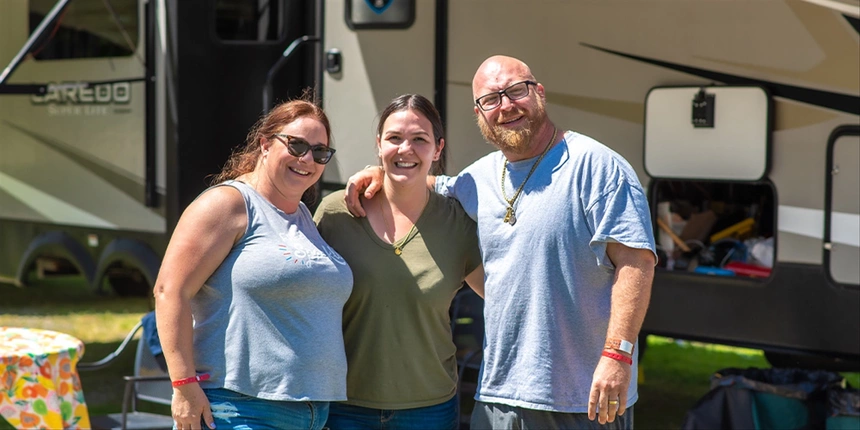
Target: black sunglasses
(298, 147)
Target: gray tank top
(267, 323)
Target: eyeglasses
(514, 92)
(298, 147)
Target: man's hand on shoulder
(368, 181)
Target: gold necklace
(398, 245)
(510, 218)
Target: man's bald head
(496, 69)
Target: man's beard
(515, 141)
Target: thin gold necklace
(399, 244)
(510, 217)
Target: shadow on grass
(104, 388)
(64, 295)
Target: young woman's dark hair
(421, 104)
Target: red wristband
(618, 357)
(198, 378)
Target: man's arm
(631, 292)
(431, 183)
(368, 182)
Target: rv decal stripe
(49, 206)
(845, 228)
(826, 99)
(12, 208)
(124, 182)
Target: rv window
(87, 29)
(249, 20)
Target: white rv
(742, 119)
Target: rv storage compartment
(714, 228)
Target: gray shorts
(487, 416)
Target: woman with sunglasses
(409, 257)
(249, 297)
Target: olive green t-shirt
(397, 332)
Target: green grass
(674, 374)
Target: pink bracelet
(618, 357)
(198, 378)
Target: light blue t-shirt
(548, 278)
(267, 323)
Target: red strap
(198, 378)
(619, 357)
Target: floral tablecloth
(39, 384)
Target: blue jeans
(233, 410)
(438, 417)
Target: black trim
(440, 74)
(23, 89)
(319, 54)
(855, 22)
(826, 99)
(42, 89)
(150, 192)
(845, 130)
(115, 81)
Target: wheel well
(129, 266)
(56, 246)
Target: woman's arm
(206, 232)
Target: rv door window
(249, 20)
(87, 29)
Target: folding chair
(150, 383)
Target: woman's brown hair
(244, 159)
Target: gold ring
(613, 402)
